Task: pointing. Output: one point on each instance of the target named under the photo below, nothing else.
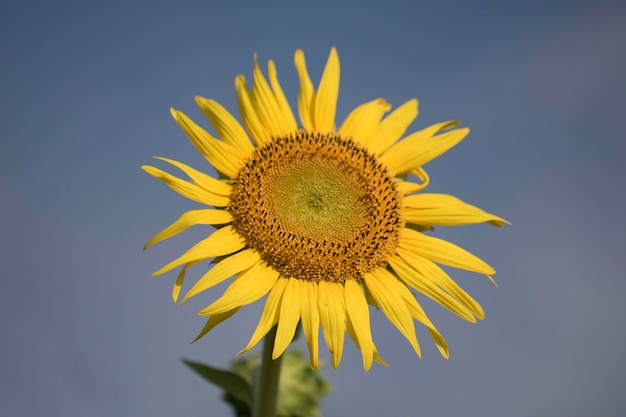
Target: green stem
(266, 387)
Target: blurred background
(85, 91)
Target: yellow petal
(306, 96)
(445, 210)
(359, 316)
(249, 286)
(333, 318)
(362, 123)
(424, 151)
(368, 297)
(429, 132)
(203, 180)
(223, 270)
(214, 321)
(352, 334)
(387, 291)
(326, 99)
(310, 319)
(424, 285)
(269, 316)
(407, 187)
(442, 252)
(440, 342)
(265, 104)
(178, 284)
(188, 189)
(226, 126)
(289, 316)
(425, 200)
(224, 157)
(418, 314)
(438, 276)
(421, 147)
(222, 242)
(260, 134)
(288, 121)
(393, 127)
(188, 219)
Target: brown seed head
(317, 207)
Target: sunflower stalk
(266, 384)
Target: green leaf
(227, 380)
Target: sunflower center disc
(317, 207)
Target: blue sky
(85, 94)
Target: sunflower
(324, 221)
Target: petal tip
(493, 281)
(200, 101)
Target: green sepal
(419, 227)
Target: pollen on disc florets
(317, 207)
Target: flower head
(323, 221)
